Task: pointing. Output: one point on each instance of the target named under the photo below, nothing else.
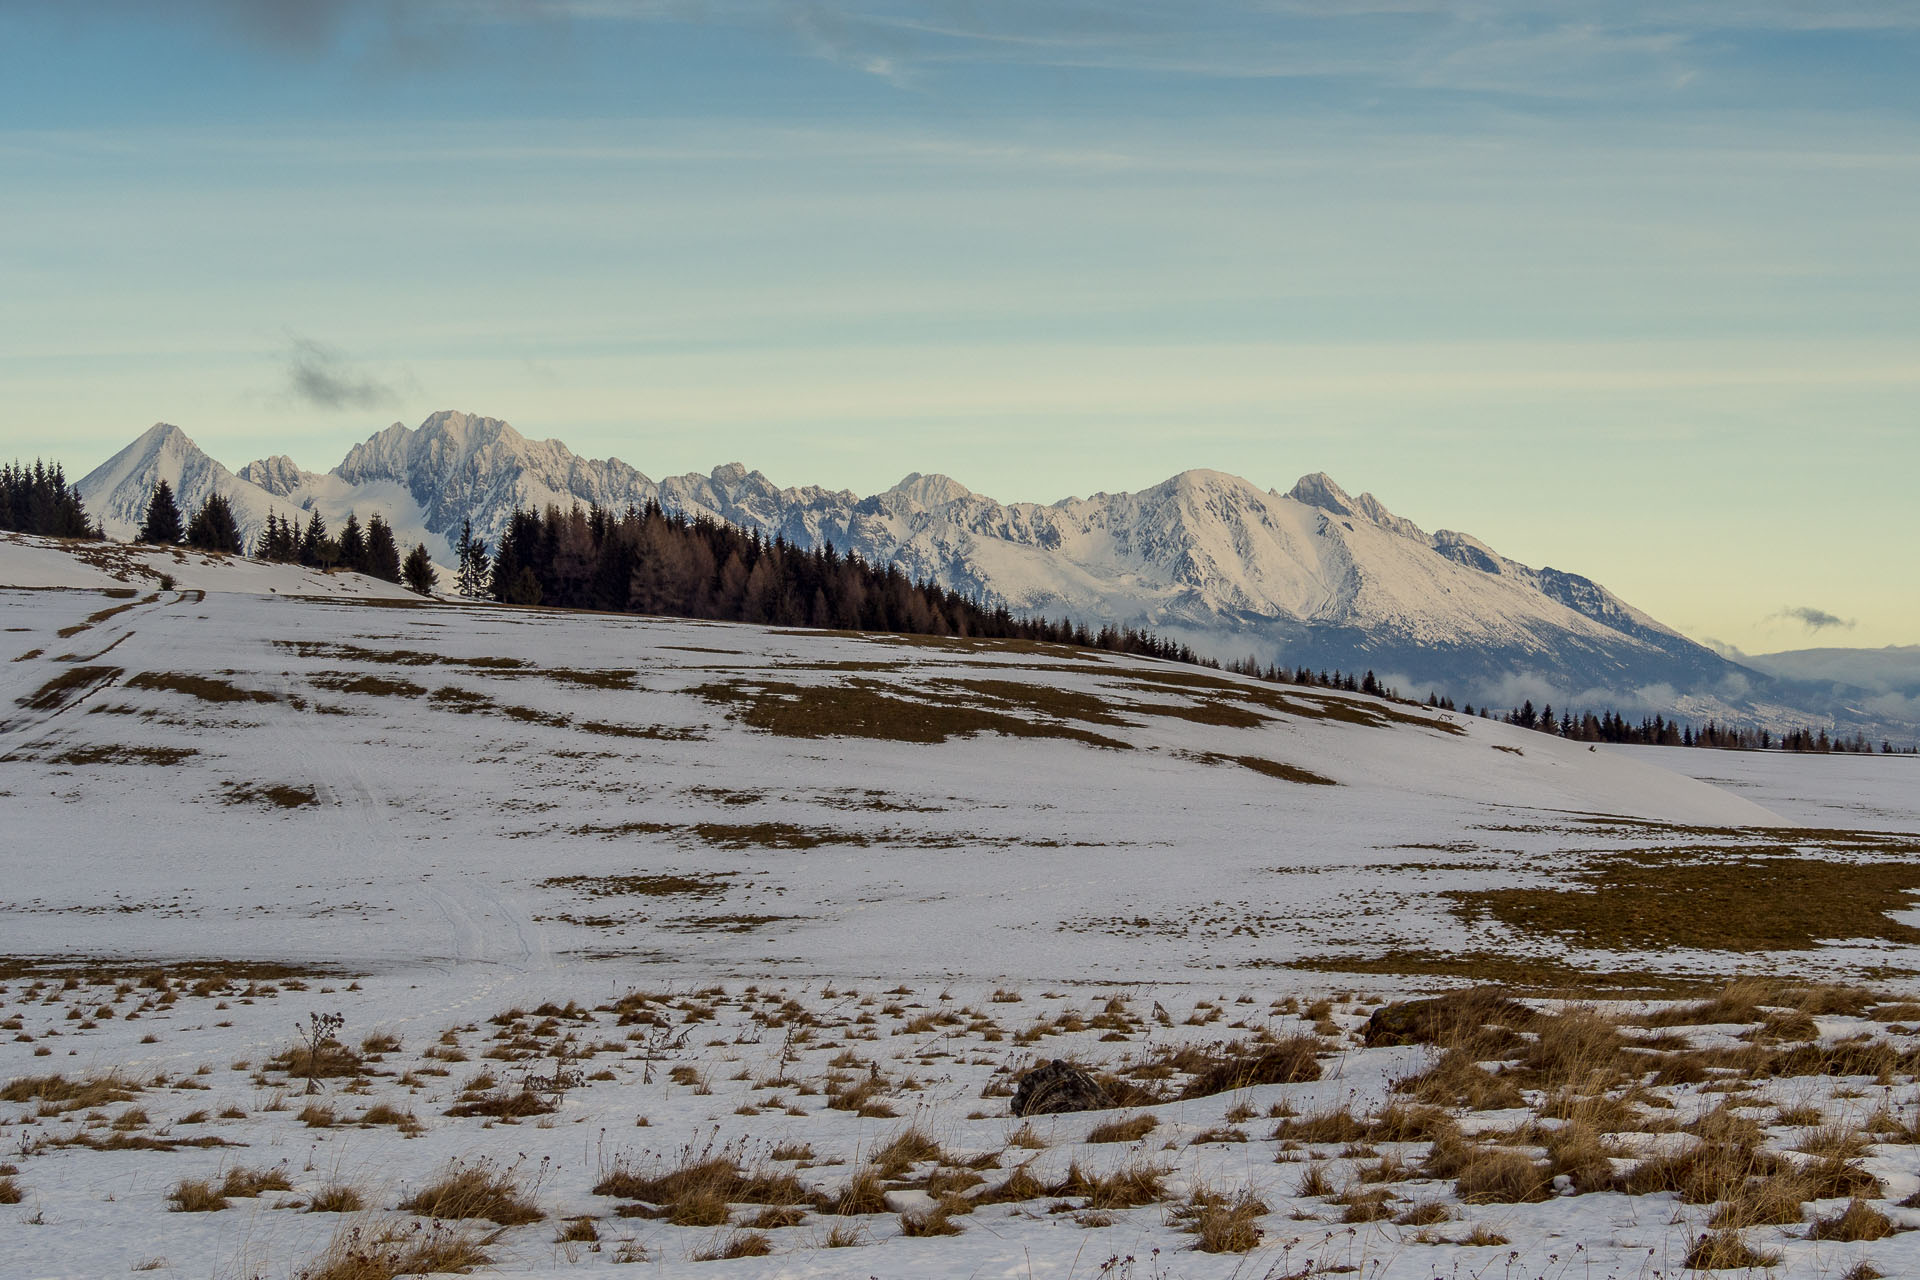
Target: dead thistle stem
(317, 1035)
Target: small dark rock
(1058, 1087)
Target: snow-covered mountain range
(1312, 576)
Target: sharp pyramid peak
(930, 489)
(1318, 489)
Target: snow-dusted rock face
(278, 475)
(1313, 576)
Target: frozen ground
(823, 859)
(1871, 793)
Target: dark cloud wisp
(1814, 619)
(319, 376)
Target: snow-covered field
(739, 873)
(1858, 792)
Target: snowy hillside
(26, 561)
(664, 941)
(1312, 577)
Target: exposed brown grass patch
(205, 688)
(860, 708)
(68, 687)
(276, 795)
(1778, 903)
(1290, 1061)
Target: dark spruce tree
(471, 554)
(418, 571)
(353, 545)
(383, 553)
(213, 527)
(278, 541)
(317, 550)
(162, 524)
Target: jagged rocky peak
(278, 475)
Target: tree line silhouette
(645, 560)
(1658, 731)
(39, 500)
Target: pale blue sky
(1628, 289)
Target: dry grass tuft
(1763, 1202)
(1727, 1251)
(1322, 1128)
(698, 1191)
(1220, 1224)
(196, 1195)
(1129, 1129)
(740, 1244)
(336, 1198)
(1019, 1185)
(1858, 1221)
(1427, 1213)
(57, 1094)
(368, 1253)
(937, 1221)
(1290, 1061)
(1458, 1080)
(1496, 1176)
(479, 1190)
(905, 1150)
(1127, 1187)
(244, 1184)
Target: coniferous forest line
(649, 561)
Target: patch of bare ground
(735, 922)
(68, 687)
(868, 709)
(706, 884)
(1265, 767)
(273, 795)
(1747, 904)
(393, 657)
(1528, 974)
(370, 686)
(204, 687)
(122, 754)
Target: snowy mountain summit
(1314, 576)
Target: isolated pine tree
(383, 553)
(213, 527)
(317, 551)
(162, 524)
(473, 564)
(418, 572)
(353, 545)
